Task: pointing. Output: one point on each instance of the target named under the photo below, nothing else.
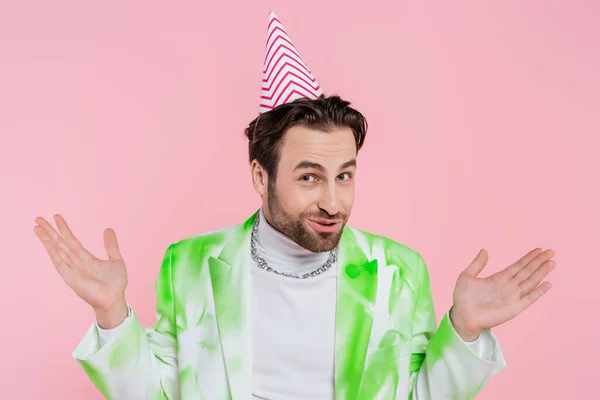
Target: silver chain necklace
(263, 264)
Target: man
(292, 303)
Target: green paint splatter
(127, 345)
(443, 338)
(96, 378)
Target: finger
(478, 263)
(67, 234)
(58, 262)
(534, 280)
(534, 296)
(523, 261)
(111, 244)
(66, 257)
(533, 266)
(54, 235)
(63, 254)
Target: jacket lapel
(356, 295)
(229, 274)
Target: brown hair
(325, 113)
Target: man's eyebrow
(309, 165)
(313, 165)
(348, 164)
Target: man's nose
(329, 200)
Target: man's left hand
(482, 303)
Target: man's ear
(260, 179)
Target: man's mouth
(324, 225)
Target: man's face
(313, 193)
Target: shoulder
(389, 246)
(207, 243)
(211, 242)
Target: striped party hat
(285, 75)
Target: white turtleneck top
(293, 322)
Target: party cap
(286, 77)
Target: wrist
(466, 332)
(113, 316)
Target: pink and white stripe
(286, 76)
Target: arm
(442, 364)
(136, 363)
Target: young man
(292, 303)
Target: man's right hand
(100, 283)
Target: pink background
(484, 123)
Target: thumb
(111, 245)
(478, 263)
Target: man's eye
(307, 178)
(344, 177)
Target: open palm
(482, 303)
(100, 283)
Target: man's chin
(324, 241)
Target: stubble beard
(297, 231)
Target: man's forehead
(318, 150)
(301, 138)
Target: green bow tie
(354, 271)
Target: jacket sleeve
(136, 362)
(442, 364)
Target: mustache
(327, 216)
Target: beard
(296, 230)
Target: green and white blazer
(386, 342)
